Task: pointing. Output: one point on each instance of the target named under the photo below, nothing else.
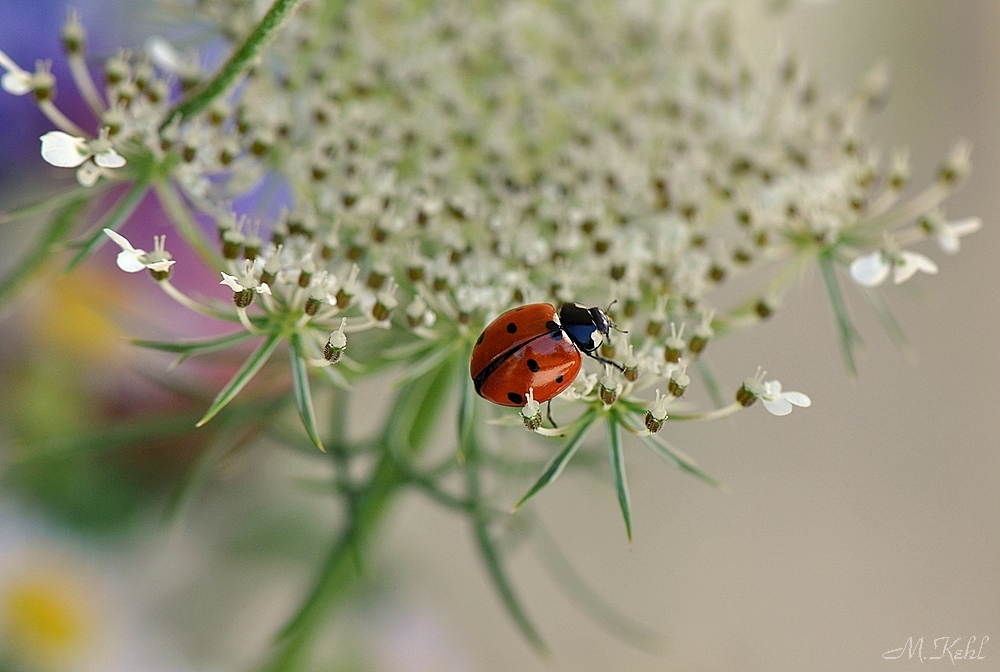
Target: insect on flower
(528, 348)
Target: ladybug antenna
(612, 322)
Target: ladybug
(529, 347)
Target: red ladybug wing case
(510, 329)
(547, 364)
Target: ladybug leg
(548, 414)
(605, 360)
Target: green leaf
(303, 397)
(848, 335)
(60, 224)
(559, 462)
(678, 458)
(195, 347)
(50, 203)
(242, 377)
(114, 219)
(617, 458)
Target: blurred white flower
(69, 151)
(948, 234)
(872, 269)
(62, 611)
(132, 260)
(15, 81)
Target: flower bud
(608, 390)
(336, 344)
(679, 381)
(751, 389)
(232, 244)
(385, 302)
(74, 37)
(702, 333)
(43, 83)
(531, 413)
(243, 298)
(657, 412)
(674, 346)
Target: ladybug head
(586, 327)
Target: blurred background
(869, 518)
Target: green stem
(339, 570)
(367, 506)
(202, 96)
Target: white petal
(948, 242)
(779, 406)
(231, 282)
(64, 150)
(909, 263)
(88, 174)
(161, 266)
(109, 159)
(16, 83)
(264, 289)
(163, 55)
(121, 241)
(798, 399)
(130, 262)
(870, 270)
(948, 238)
(964, 227)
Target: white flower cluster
(465, 158)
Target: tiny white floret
(780, 403)
(949, 233)
(133, 260)
(64, 150)
(872, 269)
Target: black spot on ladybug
(515, 397)
(559, 379)
(481, 337)
(511, 328)
(552, 326)
(533, 365)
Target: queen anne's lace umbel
(442, 162)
